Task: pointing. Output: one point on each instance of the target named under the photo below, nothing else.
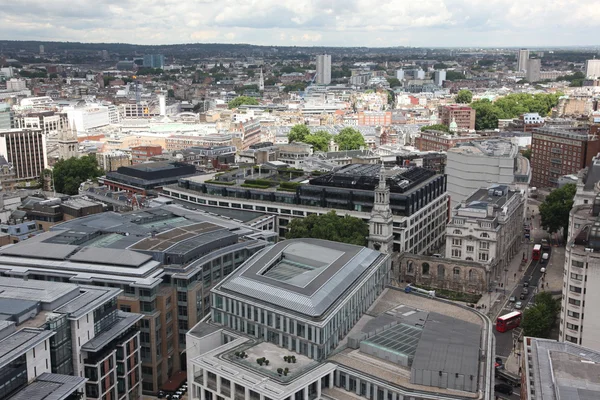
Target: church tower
(68, 146)
(261, 81)
(381, 224)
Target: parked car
(543, 270)
(518, 305)
(523, 296)
(544, 259)
(503, 388)
(160, 394)
(526, 284)
(512, 299)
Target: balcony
(555, 171)
(556, 161)
(199, 379)
(556, 151)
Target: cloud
(312, 22)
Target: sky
(374, 23)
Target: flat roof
(20, 342)
(305, 276)
(34, 290)
(117, 257)
(90, 298)
(125, 321)
(50, 387)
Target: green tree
(170, 93)
(349, 139)
(556, 208)
(319, 140)
(394, 82)
(241, 100)
(69, 174)
(298, 133)
(486, 114)
(539, 319)
(330, 226)
(527, 154)
(435, 127)
(454, 76)
(464, 96)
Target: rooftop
(124, 322)
(305, 276)
(20, 342)
(50, 387)
(497, 195)
(490, 148)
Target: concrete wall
(38, 360)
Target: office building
(560, 151)
(26, 150)
(87, 335)
(439, 76)
(477, 164)
(163, 261)
(374, 118)
(50, 122)
(111, 161)
(154, 61)
(522, 60)
(552, 370)
(592, 69)
(414, 74)
(16, 85)
(533, 73)
(463, 116)
(487, 228)
(418, 198)
(6, 117)
(400, 74)
(142, 154)
(441, 141)
(291, 323)
(323, 69)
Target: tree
(454, 76)
(319, 140)
(486, 115)
(539, 319)
(298, 133)
(69, 174)
(330, 226)
(464, 96)
(394, 82)
(240, 100)
(170, 93)
(435, 127)
(349, 139)
(556, 208)
(527, 154)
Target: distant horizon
(318, 23)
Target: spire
(382, 182)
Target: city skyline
(435, 23)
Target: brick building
(140, 154)
(375, 118)
(463, 115)
(561, 151)
(441, 141)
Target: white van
(544, 258)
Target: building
(381, 223)
(323, 69)
(374, 118)
(428, 160)
(50, 122)
(487, 228)
(154, 61)
(522, 60)
(592, 69)
(162, 263)
(441, 141)
(473, 165)
(82, 119)
(111, 161)
(142, 154)
(16, 85)
(400, 74)
(464, 116)
(246, 134)
(439, 76)
(6, 117)
(126, 66)
(90, 337)
(533, 73)
(38, 103)
(26, 150)
(147, 177)
(307, 299)
(553, 370)
(418, 198)
(560, 151)
(525, 123)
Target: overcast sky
(378, 23)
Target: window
(575, 289)
(470, 249)
(576, 277)
(573, 314)
(484, 245)
(574, 302)
(441, 271)
(456, 273)
(457, 232)
(484, 235)
(473, 275)
(456, 242)
(571, 339)
(456, 253)
(572, 327)
(425, 269)
(578, 264)
(484, 256)
(410, 268)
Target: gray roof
(125, 258)
(91, 297)
(36, 291)
(41, 250)
(125, 321)
(21, 342)
(50, 387)
(310, 274)
(593, 175)
(448, 345)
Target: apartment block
(464, 116)
(26, 150)
(441, 141)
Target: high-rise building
(26, 150)
(592, 69)
(560, 151)
(522, 58)
(105, 55)
(533, 73)
(439, 77)
(400, 74)
(41, 49)
(323, 69)
(6, 116)
(154, 61)
(463, 115)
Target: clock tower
(381, 224)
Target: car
(512, 299)
(437, 255)
(160, 394)
(179, 392)
(175, 397)
(503, 388)
(526, 284)
(518, 305)
(523, 296)
(543, 270)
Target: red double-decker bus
(537, 252)
(508, 321)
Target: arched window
(456, 273)
(410, 269)
(473, 275)
(484, 235)
(425, 269)
(457, 232)
(441, 273)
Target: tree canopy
(298, 133)
(394, 82)
(349, 139)
(241, 100)
(69, 174)
(556, 208)
(330, 226)
(454, 76)
(435, 127)
(319, 140)
(539, 319)
(464, 96)
(527, 154)
(575, 79)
